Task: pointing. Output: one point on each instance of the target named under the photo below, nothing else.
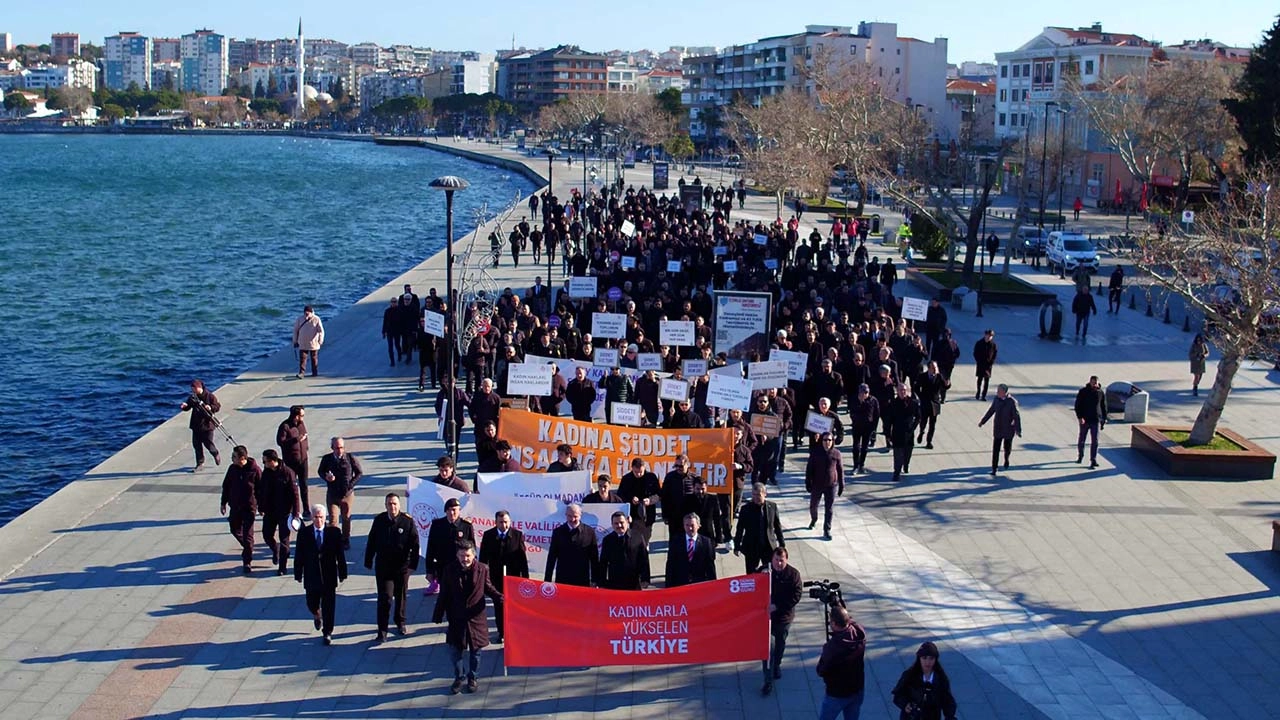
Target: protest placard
(609, 325)
(673, 266)
(434, 323)
(915, 308)
(767, 425)
(604, 358)
(694, 368)
(529, 378)
(797, 362)
(815, 423)
(761, 239)
(628, 228)
(649, 361)
(729, 393)
(624, 414)
(628, 262)
(676, 390)
(769, 374)
(582, 287)
(731, 266)
(676, 333)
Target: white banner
(601, 357)
(528, 378)
(769, 374)
(797, 362)
(566, 487)
(608, 325)
(567, 369)
(435, 323)
(728, 392)
(624, 414)
(649, 361)
(669, 389)
(676, 333)
(582, 287)
(914, 308)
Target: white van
(1070, 250)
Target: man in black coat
(240, 496)
(864, 418)
(444, 537)
(203, 405)
(785, 591)
(463, 585)
(291, 438)
(502, 551)
(928, 390)
(572, 557)
(691, 557)
(341, 471)
(581, 394)
(1081, 306)
(935, 322)
(904, 417)
(984, 358)
(278, 500)
(624, 557)
(393, 543)
(1091, 413)
(320, 566)
(603, 493)
(676, 487)
(641, 489)
(711, 519)
(759, 530)
(823, 479)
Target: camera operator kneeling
(924, 690)
(841, 667)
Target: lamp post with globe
(450, 184)
(551, 156)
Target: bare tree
(781, 144)
(1229, 271)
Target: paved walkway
(1053, 591)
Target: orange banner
(609, 449)
(551, 625)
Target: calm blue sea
(129, 264)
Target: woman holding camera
(924, 690)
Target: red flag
(552, 625)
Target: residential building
(321, 47)
(126, 61)
(241, 54)
(473, 76)
(384, 85)
(253, 76)
(910, 71)
(622, 78)
(324, 73)
(437, 83)
(204, 62)
(655, 81)
(6, 42)
(266, 52)
(166, 75)
(64, 45)
(541, 78)
(283, 51)
(73, 73)
(366, 53)
(969, 115)
(970, 70)
(166, 50)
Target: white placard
(649, 361)
(728, 392)
(797, 362)
(529, 378)
(604, 358)
(673, 266)
(733, 368)
(769, 374)
(761, 239)
(624, 414)
(434, 323)
(628, 228)
(731, 266)
(815, 423)
(669, 389)
(608, 325)
(567, 487)
(676, 333)
(694, 368)
(628, 262)
(914, 308)
(582, 287)
(719, 251)
(1188, 216)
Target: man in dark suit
(677, 486)
(463, 585)
(691, 558)
(444, 537)
(572, 558)
(759, 530)
(320, 566)
(502, 551)
(393, 540)
(240, 496)
(624, 559)
(711, 521)
(641, 488)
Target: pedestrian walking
(864, 418)
(203, 405)
(321, 567)
(641, 489)
(340, 471)
(463, 586)
(929, 390)
(923, 691)
(308, 336)
(1115, 289)
(842, 667)
(240, 501)
(1091, 412)
(502, 550)
(759, 530)
(984, 358)
(391, 329)
(624, 557)
(1007, 423)
(946, 353)
(691, 556)
(391, 551)
(1076, 207)
(291, 438)
(279, 501)
(572, 556)
(904, 417)
(785, 591)
(1198, 354)
(1082, 305)
(823, 480)
(445, 537)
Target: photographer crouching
(841, 666)
(784, 595)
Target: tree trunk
(777, 196)
(1211, 412)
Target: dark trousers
(200, 440)
(983, 382)
(902, 457)
(391, 587)
(299, 468)
(828, 498)
(393, 348)
(928, 423)
(778, 645)
(241, 522)
(315, 361)
(863, 438)
(756, 558)
(323, 601)
(766, 463)
(1113, 299)
(1082, 321)
(425, 365)
(996, 444)
(1089, 429)
(946, 375)
(407, 342)
(274, 524)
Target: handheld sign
(582, 287)
(435, 323)
(673, 266)
(676, 333)
(529, 378)
(761, 239)
(797, 362)
(766, 425)
(719, 250)
(609, 325)
(771, 264)
(649, 361)
(768, 374)
(815, 423)
(553, 321)
(628, 262)
(731, 266)
(628, 228)
(624, 414)
(604, 358)
(694, 368)
(915, 308)
(669, 389)
(728, 392)
(614, 294)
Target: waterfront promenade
(1053, 591)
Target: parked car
(1069, 250)
(1028, 240)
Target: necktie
(690, 549)
(502, 536)
(319, 538)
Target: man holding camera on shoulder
(841, 667)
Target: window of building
(1004, 71)
(897, 71)
(1048, 72)
(1017, 71)
(1003, 97)
(1038, 76)
(1026, 69)
(1088, 67)
(1000, 120)
(853, 49)
(899, 51)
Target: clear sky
(974, 30)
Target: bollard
(1099, 289)
(1133, 301)
(1166, 315)
(1186, 323)
(1149, 313)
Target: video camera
(825, 591)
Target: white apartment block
(655, 81)
(253, 75)
(622, 78)
(204, 62)
(127, 61)
(385, 85)
(366, 53)
(75, 73)
(478, 76)
(6, 42)
(166, 75)
(166, 50)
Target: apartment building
(166, 75)
(73, 73)
(6, 42)
(64, 45)
(476, 75)
(541, 78)
(126, 60)
(969, 115)
(204, 62)
(166, 50)
(655, 81)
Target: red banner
(551, 625)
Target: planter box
(1251, 463)
(1031, 297)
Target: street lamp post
(450, 184)
(1062, 154)
(551, 155)
(986, 164)
(1044, 148)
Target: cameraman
(202, 405)
(784, 594)
(841, 667)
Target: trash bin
(871, 221)
(1051, 319)
(957, 297)
(1135, 408)
(1118, 393)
